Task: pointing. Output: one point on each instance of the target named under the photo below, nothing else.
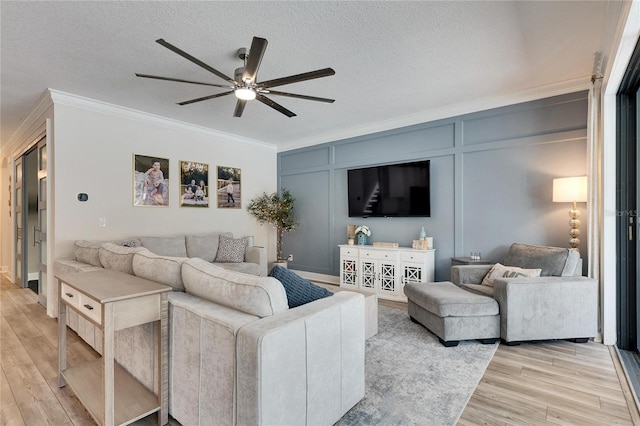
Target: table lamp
(571, 190)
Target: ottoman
(453, 313)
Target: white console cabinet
(384, 271)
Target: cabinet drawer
(70, 295)
(90, 308)
(413, 256)
(378, 254)
(348, 251)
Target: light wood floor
(549, 383)
(29, 392)
(552, 383)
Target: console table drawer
(91, 309)
(348, 251)
(70, 295)
(85, 305)
(378, 254)
(413, 256)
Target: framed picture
(194, 184)
(150, 181)
(229, 189)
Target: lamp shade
(570, 189)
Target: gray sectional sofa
(237, 353)
(87, 254)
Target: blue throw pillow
(299, 291)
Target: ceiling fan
(245, 84)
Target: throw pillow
(131, 243)
(231, 250)
(500, 271)
(299, 291)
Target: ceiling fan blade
(239, 108)
(179, 80)
(258, 47)
(325, 72)
(309, 98)
(274, 105)
(217, 95)
(194, 60)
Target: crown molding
(76, 101)
(532, 94)
(31, 127)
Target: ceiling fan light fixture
(244, 84)
(245, 93)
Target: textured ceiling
(396, 63)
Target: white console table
(113, 301)
(384, 271)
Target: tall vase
(362, 239)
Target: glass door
(31, 219)
(628, 213)
(40, 236)
(20, 265)
(628, 194)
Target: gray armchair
(560, 304)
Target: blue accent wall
(491, 183)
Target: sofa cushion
(166, 246)
(65, 266)
(299, 290)
(479, 289)
(554, 261)
(87, 252)
(244, 267)
(500, 271)
(204, 246)
(446, 299)
(231, 250)
(117, 257)
(162, 269)
(260, 296)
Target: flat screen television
(394, 190)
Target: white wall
(93, 152)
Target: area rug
(411, 379)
